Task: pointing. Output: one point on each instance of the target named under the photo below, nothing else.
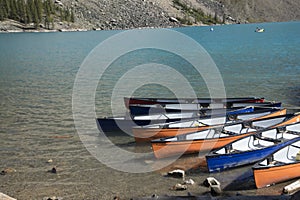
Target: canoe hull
(268, 176)
(167, 149)
(146, 135)
(125, 125)
(216, 163)
(137, 110)
(152, 101)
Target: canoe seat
(269, 133)
(247, 130)
(247, 124)
(236, 128)
(287, 154)
(281, 129)
(229, 132)
(293, 132)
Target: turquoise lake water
(37, 72)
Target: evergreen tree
(28, 13)
(13, 10)
(1, 11)
(6, 7)
(35, 11)
(61, 14)
(39, 9)
(22, 11)
(67, 15)
(216, 17)
(72, 16)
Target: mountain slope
(127, 14)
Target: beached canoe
(151, 101)
(136, 110)
(155, 131)
(252, 148)
(280, 166)
(125, 123)
(213, 138)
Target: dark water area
(37, 131)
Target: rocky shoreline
(130, 14)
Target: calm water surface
(37, 72)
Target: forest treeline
(35, 11)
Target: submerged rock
(52, 198)
(53, 170)
(7, 171)
(179, 186)
(189, 182)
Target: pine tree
(67, 15)
(39, 9)
(216, 17)
(28, 12)
(61, 13)
(1, 11)
(22, 11)
(6, 8)
(13, 10)
(72, 16)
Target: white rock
(177, 173)
(179, 186)
(189, 182)
(6, 197)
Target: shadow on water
(292, 98)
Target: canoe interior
(213, 108)
(128, 101)
(286, 155)
(264, 139)
(229, 130)
(209, 121)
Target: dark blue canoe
(136, 110)
(125, 123)
(252, 148)
(204, 102)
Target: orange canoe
(151, 132)
(213, 138)
(283, 165)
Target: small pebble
(53, 170)
(7, 171)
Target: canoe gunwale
(228, 118)
(220, 128)
(259, 166)
(219, 162)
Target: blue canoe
(252, 148)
